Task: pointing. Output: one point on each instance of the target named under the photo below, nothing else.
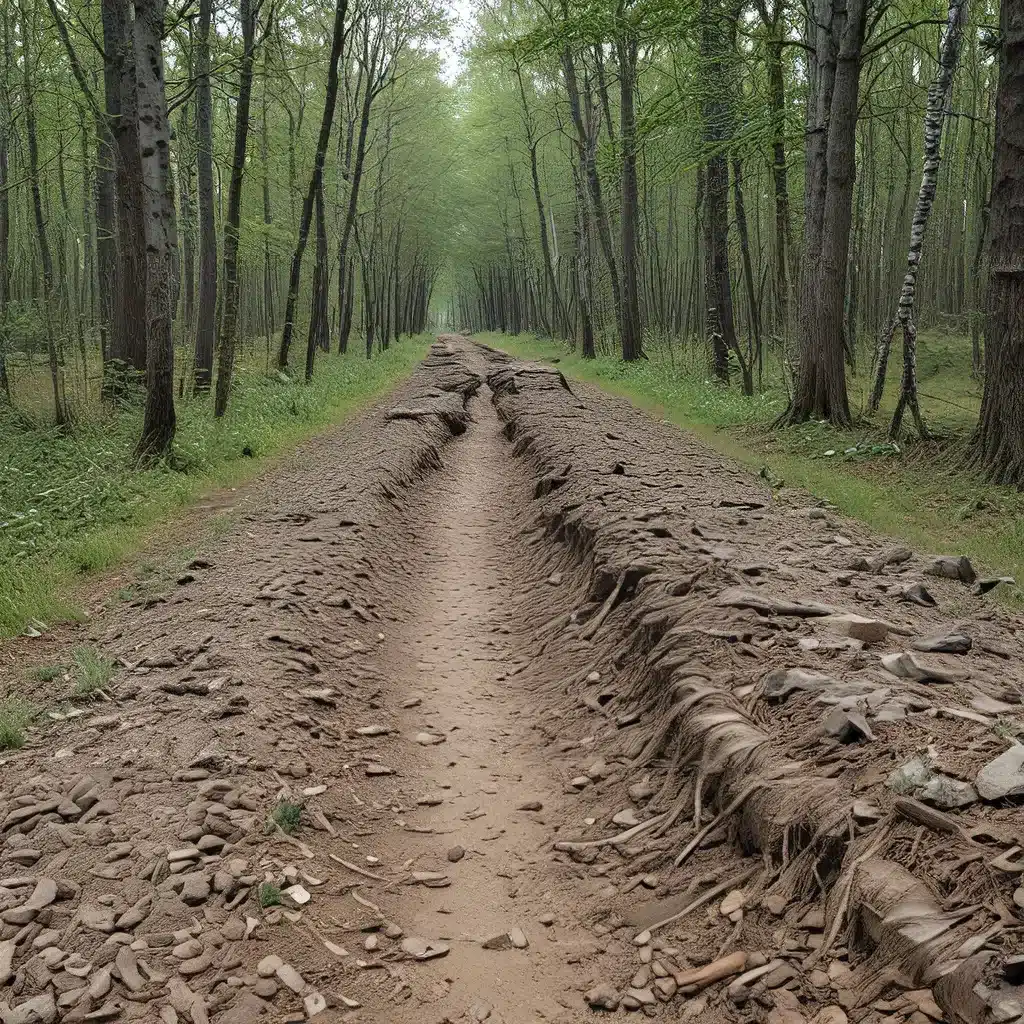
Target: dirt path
(506, 703)
(455, 652)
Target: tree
(998, 446)
(626, 46)
(154, 132)
(938, 99)
(837, 32)
(206, 321)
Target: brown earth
(463, 633)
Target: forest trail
(507, 703)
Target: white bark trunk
(939, 93)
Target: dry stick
(700, 836)
(358, 870)
(612, 840)
(706, 898)
(595, 623)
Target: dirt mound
(769, 676)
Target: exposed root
(729, 809)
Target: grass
(74, 504)
(269, 895)
(287, 816)
(15, 715)
(916, 491)
(91, 672)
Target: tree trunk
(206, 324)
(319, 331)
(155, 151)
(5, 210)
(629, 319)
(128, 341)
(330, 98)
(752, 358)
(998, 446)
(939, 94)
(232, 224)
(834, 89)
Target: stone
(626, 818)
(644, 996)
(944, 643)
(265, 988)
(42, 896)
(188, 949)
(952, 568)
(733, 901)
(6, 961)
(911, 775)
(455, 854)
(641, 791)
(847, 726)
(911, 666)
(518, 938)
(268, 966)
(547, 920)
(857, 627)
(128, 968)
(374, 769)
(830, 1015)
(665, 988)
(531, 805)
(233, 929)
(97, 919)
(430, 800)
(291, 977)
(314, 1003)
(423, 949)
(1003, 776)
(196, 889)
(428, 739)
(602, 997)
(38, 1010)
(949, 794)
(580, 782)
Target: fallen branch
(357, 869)
(704, 832)
(595, 623)
(707, 897)
(611, 840)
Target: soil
(455, 639)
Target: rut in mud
(576, 719)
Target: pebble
(291, 977)
(456, 853)
(531, 805)
(268, 966)
(626, 818)
(580, 782)
(265, 988)
(430, 800)
(423, 949)
(428, 739)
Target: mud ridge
(715, 625)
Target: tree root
(707, 897)
(733, 805)
(622, 837)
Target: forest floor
(507, 703)
(73, 504)
(921, 492)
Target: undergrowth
(91, 672)
(74, 503)
(914, 490)
(15, 715)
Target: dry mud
(577, 720)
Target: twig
(595, 623)
(358, 870)
(705, 898)
(612, 840)
(701, 835)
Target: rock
(128, 967)
(547, 920)
(700, 977)
(602, 997)
(949, 794)
(781, 682)
(38, 1010)
(196, 889)
(911, 775)
(626, 818)
(641, 791)
(910, 666)
(97, 919)
(298, 894)
(1004, 776)
(314, 1003)
(944, 643)
(531, 805)
(430, 800)
(857, 627)
(6, 961)
(188, 949)
(502, 941)
(518, 938)
(371, 730)
(733, 901)
(291, 977)
(985, 585)
(246, 1008)
(374, 769)
(644, 996)
(665, 988)
(428, 739)
(847, 726)
(456, 853)
(268, 966)
(423, 949)
(917, 593)
(775, 904)
(580, 782)
(830, 1015)
(42, 896)
(952, 568)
